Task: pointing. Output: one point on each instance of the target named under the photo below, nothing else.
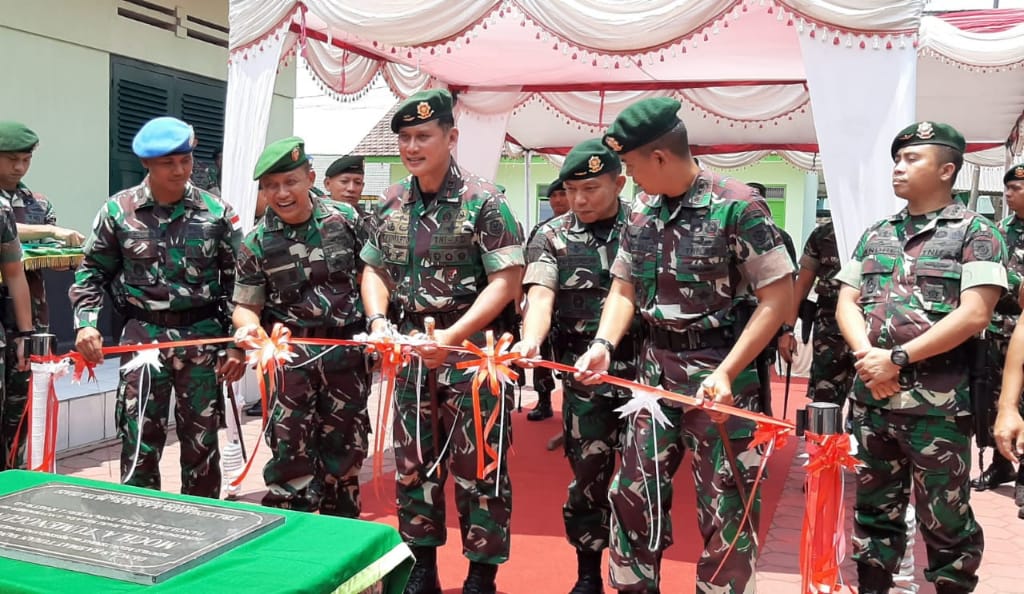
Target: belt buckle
(693, 340)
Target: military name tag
(135, 538)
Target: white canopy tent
(545, 75)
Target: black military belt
(828, 302)
(442, 319)
(692, 339)
(330, 332)
(173, 319)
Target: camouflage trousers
(593, 435)
(190, 372)
(832, 365)
(544, 378)
(484, 504)
(317, 433)
(15, 398)
(641, 492)
(931, 455)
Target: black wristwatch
(899, 357)
(603, 342)
(785, 329)
(370, 320)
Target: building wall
(57, 70)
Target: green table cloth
(307, 554)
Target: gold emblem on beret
(1019, 172)
(925, 131)
(613, 143)
(423, 110)
(594, 164)
(295, 154)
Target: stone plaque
(137, 538)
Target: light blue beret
(163, 136)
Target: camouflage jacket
(690, 258)
(32, 208)
(1008, 309)
(910, 271)
(10, 247)
(821, 256)
(436, 256)
(304, 275)
(157, 257)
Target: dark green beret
(346, 164)
(1015, 173)
(554, 187)
(928, 133)
(761, 188)
(15, 137)
(587, 159)
(643, 122)
(280, 156)
(422, 108)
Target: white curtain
(748, 102)
(876, 16)
(401, 22)
(251, 20)
(732, 160)
(617, 26)
(999, 49)
(860, 100)
(482, 118)
(246, 116)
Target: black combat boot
(1018, 489)
(945, 588)
(998, 472)
(423, 579)
(480, 579)
(873, 580)
(588, 571)
(543, 409)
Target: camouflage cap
(346, 164)
(163, 136)
(928, 133)
(421, 108)
(15, 137)
(1015, 173)
(554, 187)
(280, 156)
(643, 122)
(587, 159)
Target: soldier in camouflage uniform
(165, 250)
(344, 179)
(692, 244)
(36, 222)
(544, 378)
(447, 246)
(567, 278)
(298, 267)
(832, 364)
(1007, 314)
(920, 283)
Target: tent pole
(528, 159)
(972, 202)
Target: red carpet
(542, 562)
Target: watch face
(900, 357)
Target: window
(776, 200)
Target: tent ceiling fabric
(554, 59)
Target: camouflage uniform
(34, 209)
(688, 258)
(573, 259)
(10, 251)
(832, 365)
(304, 276)
(910, 271)
(170, 269)
(544, 378)
(436, 254)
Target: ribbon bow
(492, 366)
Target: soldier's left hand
(70, 237)
(20, 348)
(1009, 433)
(875, 364)
(528, 349)
(434, 355)
(232, 367)
(880, 390)
(716, 388)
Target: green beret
(15, 137)
(422, 108)
(761, 188)
(1015, 173)
(553, 187)
(587, 159)
(928, 133)
(280, 156)
(346, 164)
(643, 122)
